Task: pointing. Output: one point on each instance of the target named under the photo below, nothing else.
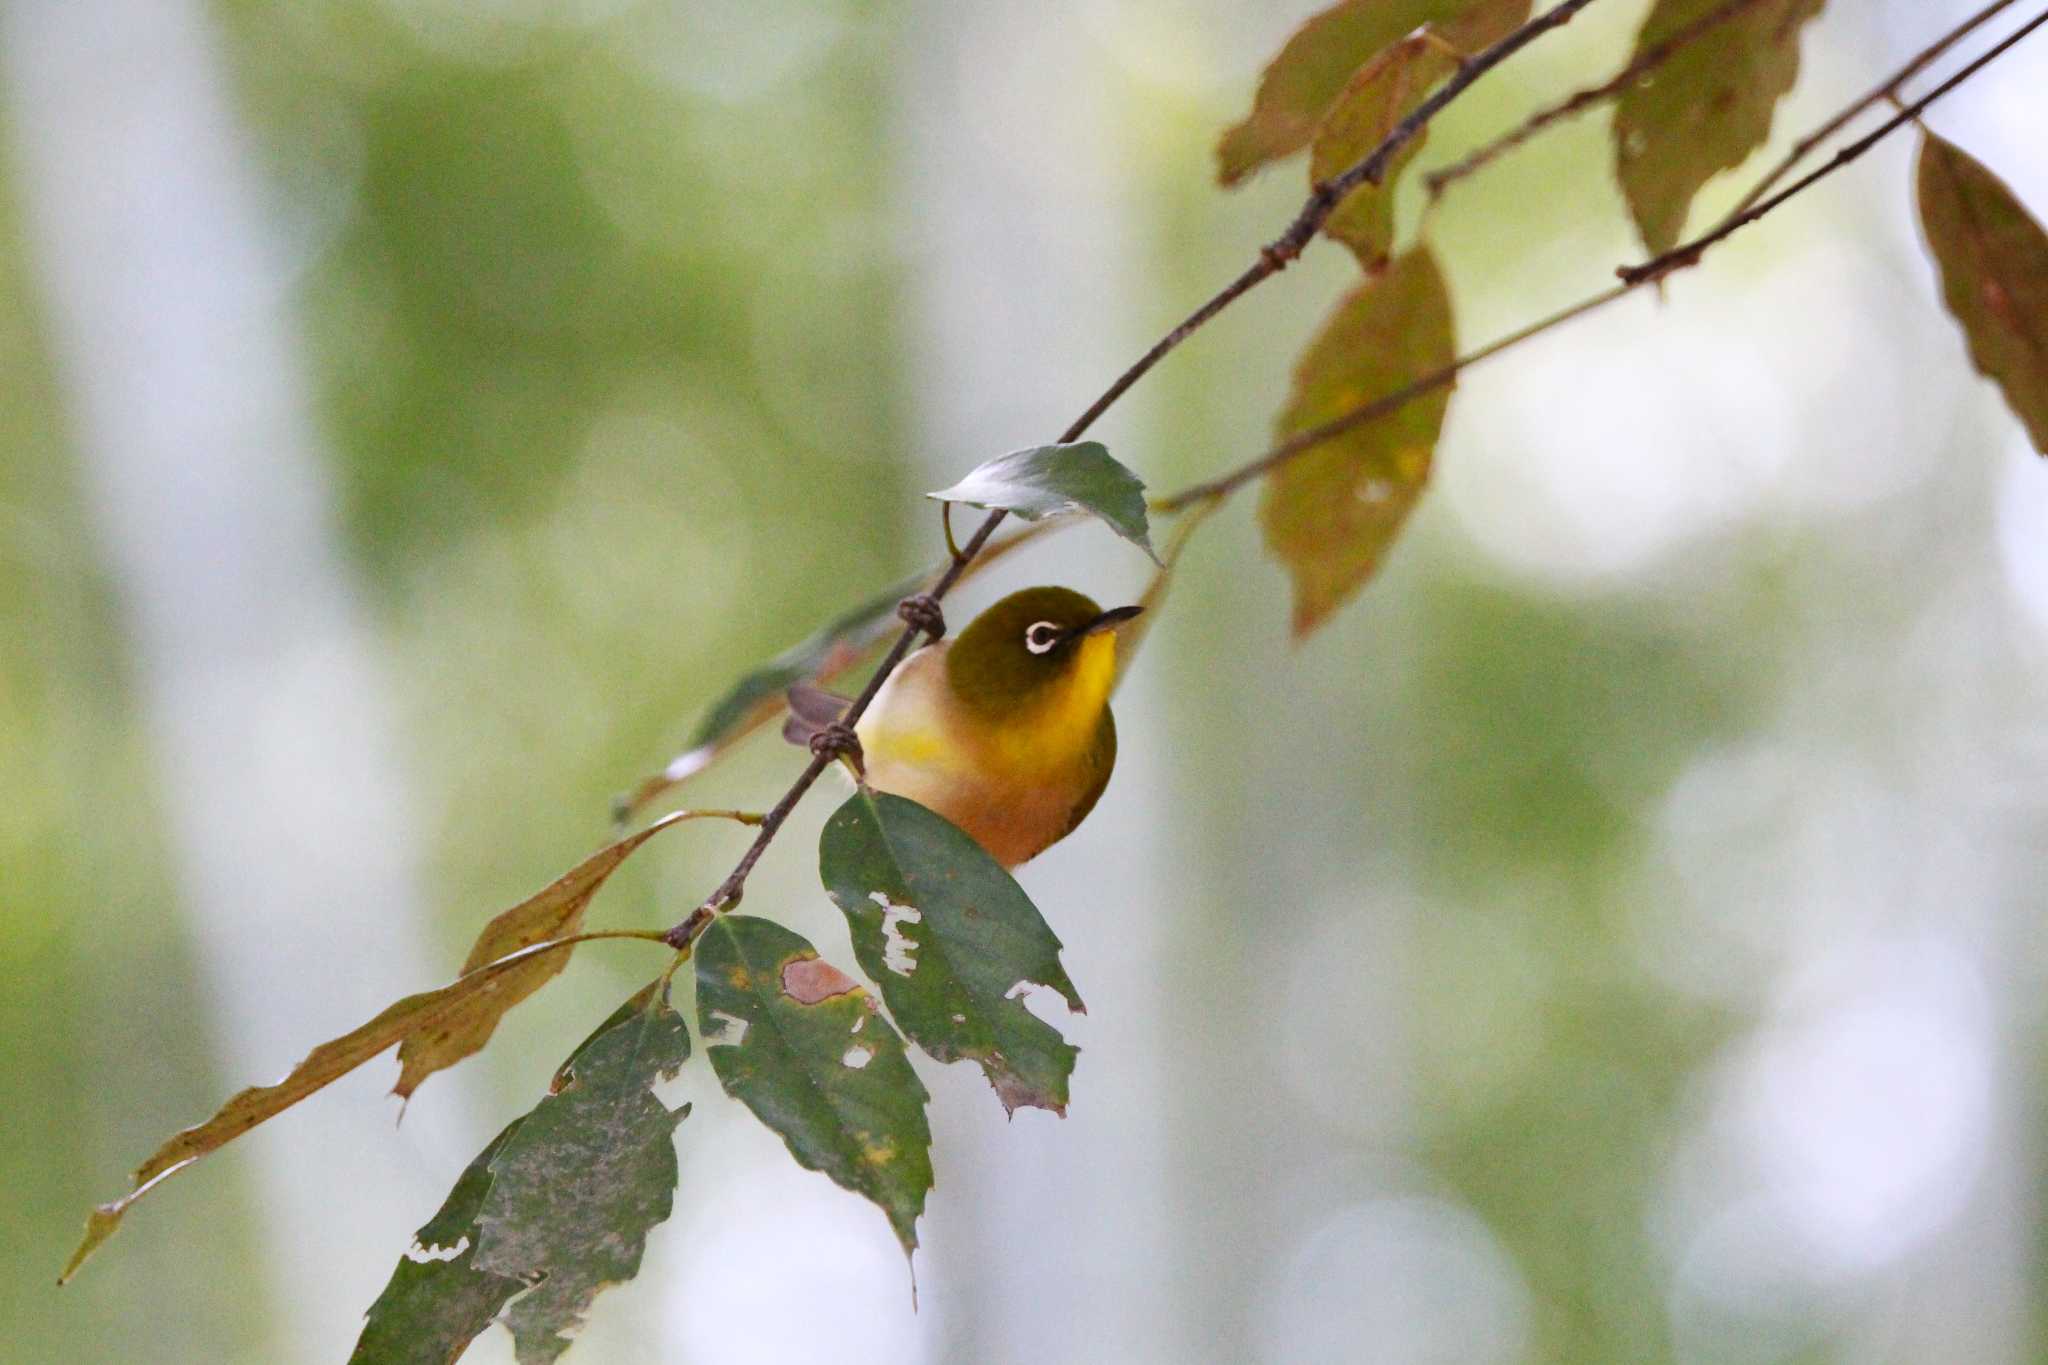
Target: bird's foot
(922, 611)
(839, 741)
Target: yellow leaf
(1330, 512)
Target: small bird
(1004, 730)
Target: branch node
(836, 741)
(923, 612)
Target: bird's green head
(1038, 646)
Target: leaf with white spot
(949, 937)
(801, 1044)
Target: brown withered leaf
(555, 911)
(321, 1067)
(1330, 513)
(1377, 97)
(1300, 84)
(1705, 109)
(1993, 257)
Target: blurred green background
(1615, 939)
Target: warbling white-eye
(1005, 730)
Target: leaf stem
(1273, 258)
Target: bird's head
(1020, 651)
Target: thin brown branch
(1647, 61)
(1273, 258)
(1226, 484)
(1888, 90)
(1688, 253)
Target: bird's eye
(1042, 636)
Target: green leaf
(420, 1014)
(1049, 481)
(801, 1044)
(1993, 257)
(437, 1301)
(556, 911)
(952, 940)
(1377, 97)
(580, 1181)
(1705, 109)
(1330, 513)
(1301, 83)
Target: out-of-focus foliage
(1330, 514)
(1706, 109)
(1994, 274)
(1378, 96)
(1318, 61)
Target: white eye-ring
(1042, 636)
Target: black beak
(1109, 620)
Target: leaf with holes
(437, 1301)
(1993, 257)
(1705, 109)
(1300, 84)
(556, 911)
(1050, 481)
(1330, 513)
(577, 1185)
(1377, 97)
(953, 942)
(801, 1044)
(416, 1015)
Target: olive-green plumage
(1005, 730)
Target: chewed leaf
(1047, 481)
(415, 1015)
(801, 1044)
(1993, 256)
(555, 911)
(1330, 513)
(578, 1183)
(951, 939)
(1301, 83)
(437, 1300)
(1372, 102)
(1705, 109)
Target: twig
(1888, 90)
(1437, 181)
(1688, 253)
(1273, 258)
(1280, 454)
(1226, 484)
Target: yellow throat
(1005, 732)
